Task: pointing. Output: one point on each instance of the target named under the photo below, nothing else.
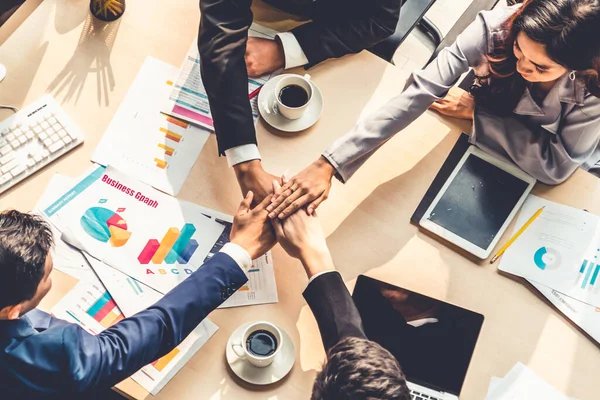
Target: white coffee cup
(242, 350)
(288, 80)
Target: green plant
(103, 7)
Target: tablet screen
(478, 201)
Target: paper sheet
(152, 147)
(560, 250)
(261, 287)
(521, 383)
(189, 101)
(66, 258)
(584, 315)
(90, 306)
(131, 295)
(134, 228)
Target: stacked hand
(251, 228)
(300, 235)
(309, 188)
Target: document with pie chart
(560, 250)
(150, 236)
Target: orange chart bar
(244, 289)
(178, 122)
(171, 135)
(165, 245)
(160, 163)
(168, 150)
(161, 363)
(110, 319)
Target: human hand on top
(310, 188)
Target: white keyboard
(33, 138)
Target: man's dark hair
(25, 240)
(360, 369)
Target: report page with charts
(560, 250)
(134, 228)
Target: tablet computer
(477, 202)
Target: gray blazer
(549, 141)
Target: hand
(251, 228)
(301, 237)
(457, 104)
(263, 56)
(252, 176)
(311, 186)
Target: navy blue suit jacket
(44, 357)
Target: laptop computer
(432, 340)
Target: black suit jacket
(338, 27)
(333, 308)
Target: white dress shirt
(294, 57)
(239, 255)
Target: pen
(255, 92)
(516, 235)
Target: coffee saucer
(281, 366)
(267, 106)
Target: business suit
(549, 139)
(333, 308)
(44, 357)
(337, 28)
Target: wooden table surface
(55, 46)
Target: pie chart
(546, 258)
(105, 226)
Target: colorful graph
(546, 258)
(169, 134)
(105, 226)
(176, 246)
(162, 164)
(135, 286)
(104, 310)
(589, 271)
(168, 150)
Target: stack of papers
(559, 254)
(521, 383)
(110, 290)
(189, 100)
(151, 147)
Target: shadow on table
(92, 56)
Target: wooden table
(89, 66)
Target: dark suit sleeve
(70, 359)
(222, 41)
(333, 308)
(340, 28)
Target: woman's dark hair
(570, 32)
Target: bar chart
(176, 246)
(589, 271)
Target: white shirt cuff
(243, 153)
(312, 278)
(239, 255)
(294, 55)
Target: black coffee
(261, 343)
(293, 96)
